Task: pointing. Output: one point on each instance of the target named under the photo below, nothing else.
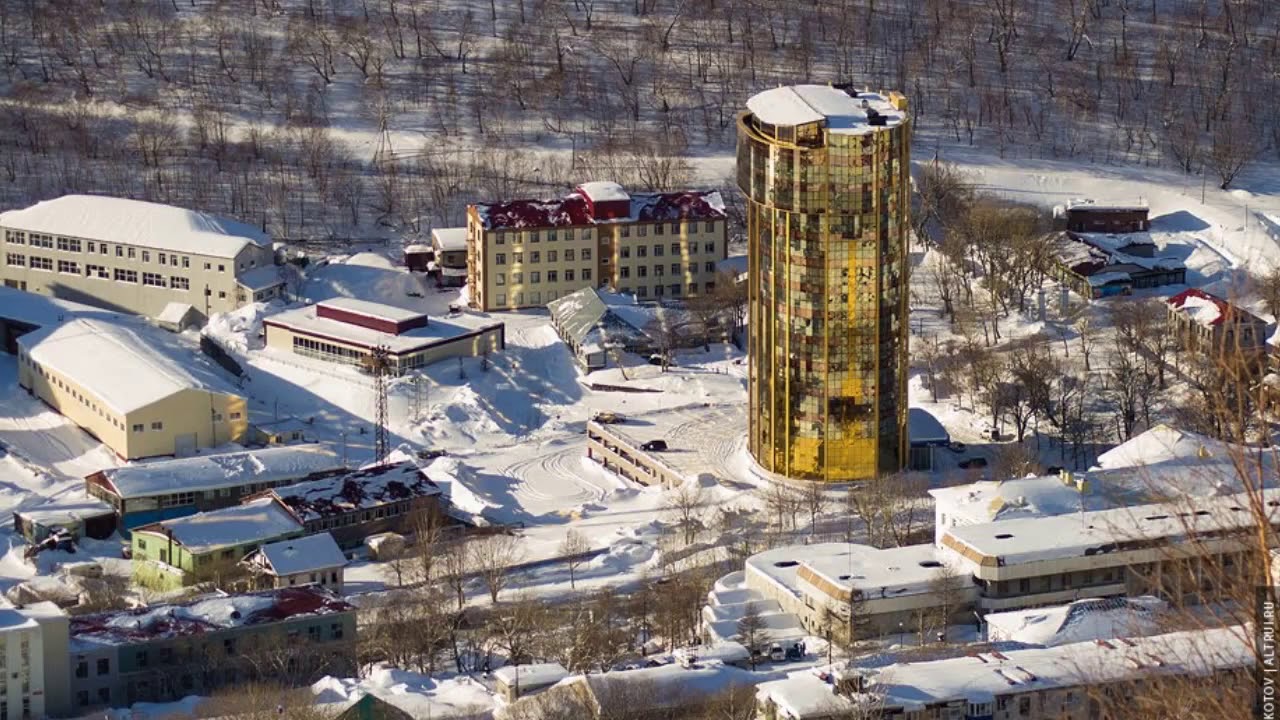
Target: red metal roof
(1225, 309)
(574, 210)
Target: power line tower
(378, 363)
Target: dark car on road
(973, 463)
(654, 445)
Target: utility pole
(378, 363)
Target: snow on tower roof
(212, 472)
(255, 521)
(136, 222)
(844, 112)
(305, 554)
(126, 368)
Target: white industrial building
(134, 392)
(136, 257)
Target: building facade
(129, 389)
(33, 646)
(136, 257)
(526, 253)
(826, 173)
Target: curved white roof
(803, 104)
(136, 222)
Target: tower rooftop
(843, 111)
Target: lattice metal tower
(379, 365)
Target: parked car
(609, 418)
(654, 445)
(973, 463)
(956, 447)
(776, 653)
(431, 454)
(657, 360)
(1053, 470)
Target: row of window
(659, 270)
(56, 381)
(672, 290)
(327, 351)
(643, 250)
(393, 509)
(535, 256)
(535, 277)
(69, 267)
(64, 244)
(641, 230)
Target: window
(535, 257)
(15, 237)
(222, 268)
(586, 253)
(568, 254)
(68, 244)
(552, 256)
(657, 251)
(675, 248)
(624, 272)
(551, 236)
(657, 229)
(642, 271)
(186, 261)
(129, 252)
(97, 271)
(335, 629)
(535, 277)
(179, 283)
(141, 658)
(500, 279)
(709, 227)
(502, 300)
(675, 289)
(157, 425)
(586, 273)
(709, 267)
(642, 230)
(642, 291)
(15, 259)
(217, 417)
(222, 294)
(41, 241)
(153, 279)
(138, 427)
(41, 263)
(625, 252)
(626, 231)
(66, 266)
(130, 276)
(552, 276)
(708, 247)
(104, 666)
(675, 268)
(500, 259)
(163, 260)
(642, 251)
(657, 290)
(657, 270)
(498, 239)
(517, 278)
(568, 276)
(82, 669)
(517, 258)
(146, 256)
(207, 266)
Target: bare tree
(751, 631)
(572, 548)
(492, 556)
(686, 505)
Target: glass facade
(827, 228)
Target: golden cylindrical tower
(826, 173)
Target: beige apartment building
(657, 246)
(128, 389)
(136, 257)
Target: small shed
(516, 681)
(81, 517)
(177, 317)
(418, 256)
(311, 560)
(278, 432)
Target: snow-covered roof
(136, 222)
(1091, 204)
(1208, 309)
(367, 308)
(260, 278)
(1159, 464)
(307, 321)
(1090, 254)
(1080, 621)
(174, 312)
(875, 572)
(534, 675)
(923, 427)
(664, 686)
(65, 510)
(1105, 278)
(593, 316)
(573, 210)
(40, 310)
(360, 490)
(159, 622)
(844, 112)
(604, 191)
(259, 520)
(300, 555)
(1033, 539)
(270, 465)
(414, 248)
(981, 677)
(126, 368)
(449, 239)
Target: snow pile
(373, 277)
(1201, 310)
(241, 328)
(416, 694)
(455, 480)
(218, 612)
